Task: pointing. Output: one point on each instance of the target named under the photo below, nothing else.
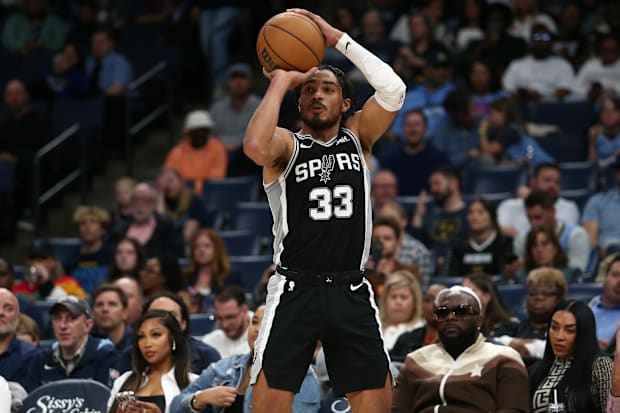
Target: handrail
(148, 75)
(132, 129)
(41, 198)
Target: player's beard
(317, 123)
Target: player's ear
(346, 105)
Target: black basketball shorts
(345, 319)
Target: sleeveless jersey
(321, 205)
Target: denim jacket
(228, 372)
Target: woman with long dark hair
(495, 311)
(543, 249)
(129, 259)
(572, 367)
(160, 366)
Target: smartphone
(125, 398)
(376, 251)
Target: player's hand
(293, 78)
(332, 35)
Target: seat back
(250, 269)
(255, 217)
(514, 296)
(241, 242)
(578, 175)
(224, 193)
(63, 247)
(583, 292)
(494, 179)
(72, 394)
(201, 323)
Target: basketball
(290, 41)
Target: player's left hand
(292, 77)
(332, 35)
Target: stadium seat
(223, 194)
(579, 196)
(250, 269)
(565, 146)
(583, 292)
(578, 175)
(589, 275)
(7, 176)
(447, 281)
(242, 242)
(494, 198)
(84, 395)
(201, 323)
(63, 248)
(574, 117)
(88, 113)
(494, 179)
(514, 296)
(255, 217)
(43, 310)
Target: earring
(299, 108)
(174, 345)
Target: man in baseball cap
(75, 353)
(199, 156)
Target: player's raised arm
(264, 142)
(380, 109)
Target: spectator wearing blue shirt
(600, 215)
(89, 264)
(109, 71)
(75, 354)
(458, 135)
(413, 162)
(606, 306)
(430, 95)
(15, 355)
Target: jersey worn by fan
(321, 207)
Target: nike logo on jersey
(304, 145)
(346, 47)
(356, 287)
(325, 167)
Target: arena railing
(162, 108)
(39, 197)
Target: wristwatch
(192, 404)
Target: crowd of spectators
(155, 257)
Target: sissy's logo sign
(51, 404)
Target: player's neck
(322, 135)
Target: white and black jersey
(321, 207)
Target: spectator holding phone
(160, 367)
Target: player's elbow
(391, 95)
(254, 150)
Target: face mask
(198, 138)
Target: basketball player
(317, 184)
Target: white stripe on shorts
(275, 288)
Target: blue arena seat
(250, 269)
(241, 242)
(573, 117)
(578, 175)
(201, 323)
(63, 247)
(494, 179)
(583, 292)
(223, 194)
(514, 296)
(7, 176)
(579, 196)
(255, 217)
(43, 310)
(75, 394)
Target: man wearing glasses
(462, 370)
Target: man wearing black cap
(75, 354)
(233, 112)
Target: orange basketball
(290, 41)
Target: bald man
(15, 355)
(489, 378)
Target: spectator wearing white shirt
(233, 318)
(602, 72)
(540, 75)
(511, 212)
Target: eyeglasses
(541, 37)
(458, 311)
(543, 293)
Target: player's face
(320, 102)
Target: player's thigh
(266, 399)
